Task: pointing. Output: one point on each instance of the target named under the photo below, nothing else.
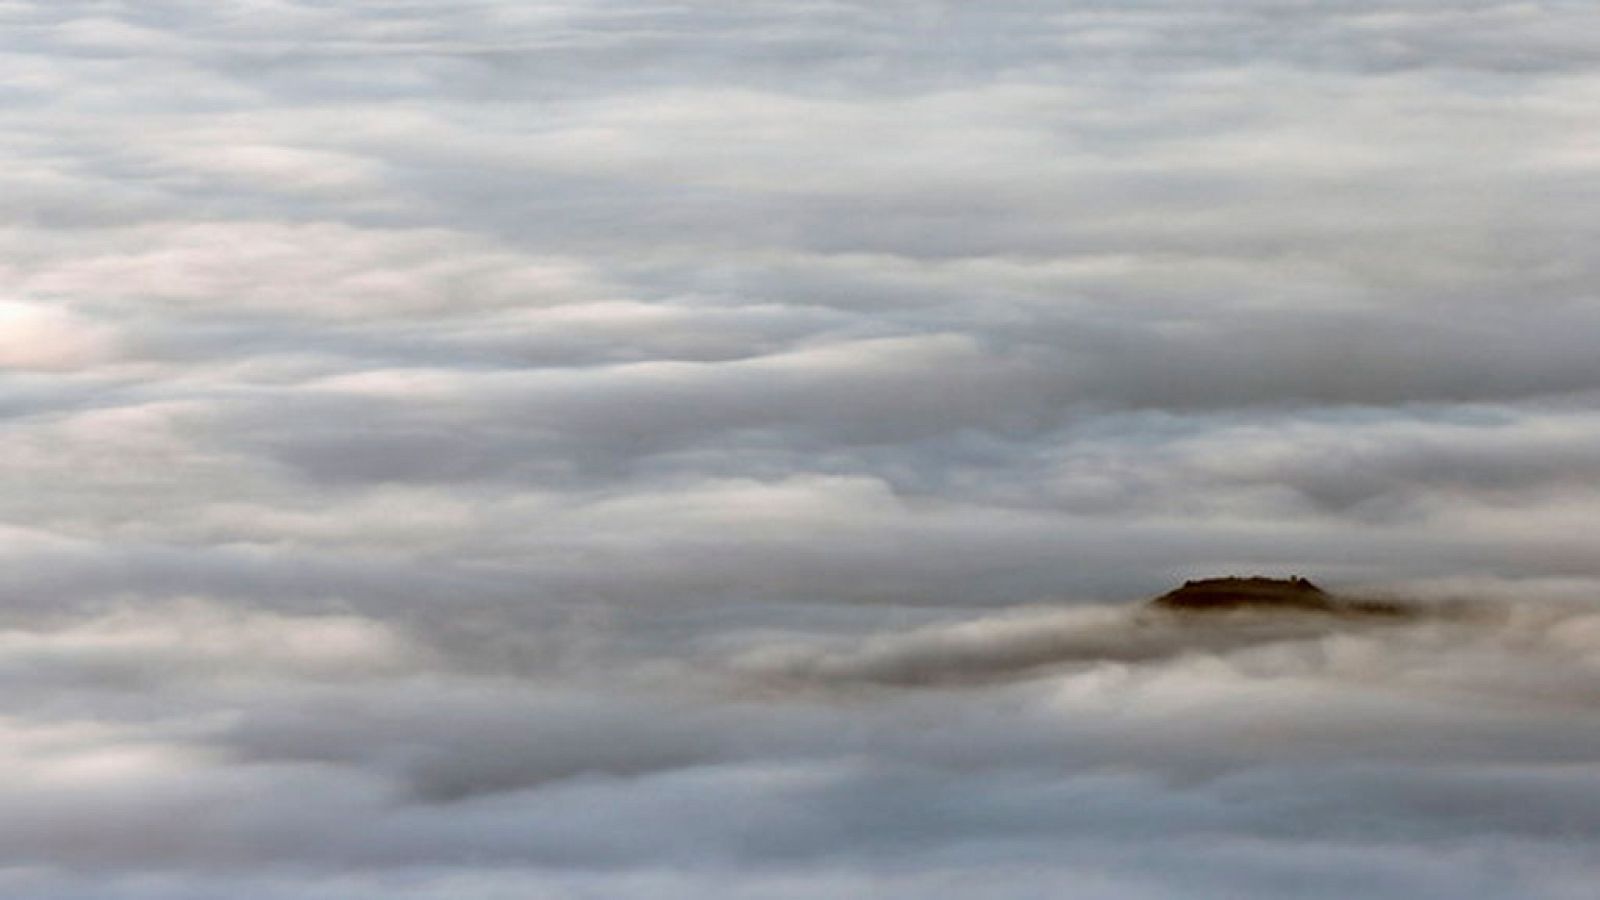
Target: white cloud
(38, 337)
(651, 450)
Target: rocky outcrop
(1267, 594)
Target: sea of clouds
(628, 449)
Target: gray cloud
(601, 448)
(1279, 752)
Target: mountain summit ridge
(1261, 593)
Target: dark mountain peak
(1261, 593)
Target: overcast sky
(514, 449)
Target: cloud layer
(606, 448)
